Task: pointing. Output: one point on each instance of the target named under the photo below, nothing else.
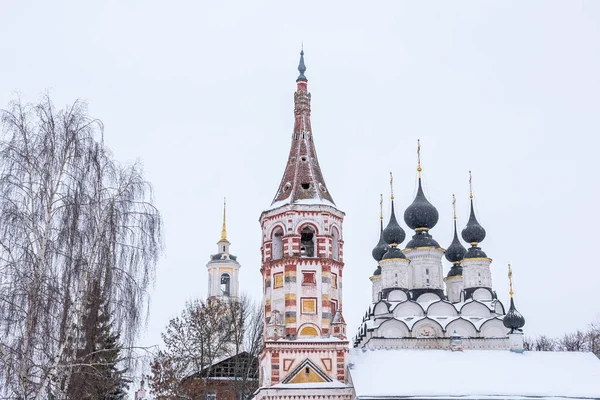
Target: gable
(307, 372)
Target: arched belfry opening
(307, 241)
(225, 285)
(335, 244)
(277, 249)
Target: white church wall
(426, 267)
(393, 329)
(475, 309)
(462, 328)
(408, 309)
(441, 308)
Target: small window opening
(223, 248)
(225, 284)
(306, 371)
(307, 242)
(278, 244)
(305, 186)
(335, 245)
(304, 159)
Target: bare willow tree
(71, 219)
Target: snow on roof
(474, 373)
(315, 201)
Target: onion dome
(393, 234)
(473, 233)
(456, 251)
(421, 214)
(377, 271)
(382, 247)
(513, 319)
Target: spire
(224, 228)
(302, 179)
(393, 234)
(421, 215)
(473, 233)
(456, 251)
(513, 319)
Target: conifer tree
(97, 374)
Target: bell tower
(302, 269)
(223, 268)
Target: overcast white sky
(202, 94)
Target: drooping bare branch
(70, 217)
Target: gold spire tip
(510, 282)
(454, 205)
(381, 206)
(392, 185)
(470, 185)
(419, 169)
(224, 228)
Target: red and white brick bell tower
(302, 267)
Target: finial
(302, 67)
(511, 292)
(224, 228)
(392, 185)
(381, 206)
(470, 185)
(419, 169)
(454, 205)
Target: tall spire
(224, 228)
(302, 179)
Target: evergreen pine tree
(97, 375)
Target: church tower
(223, 268)
(302, 269)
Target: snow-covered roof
(311, 201)
(477, 374)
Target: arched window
(225, 285)
(307, 242)
(277, 246)
(335, 244)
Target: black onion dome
(473, 232)
(377, 271)
(393, 252)
(421, 213)
(513, 319)
(393, 232)
(381, 247)
(456, 251)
